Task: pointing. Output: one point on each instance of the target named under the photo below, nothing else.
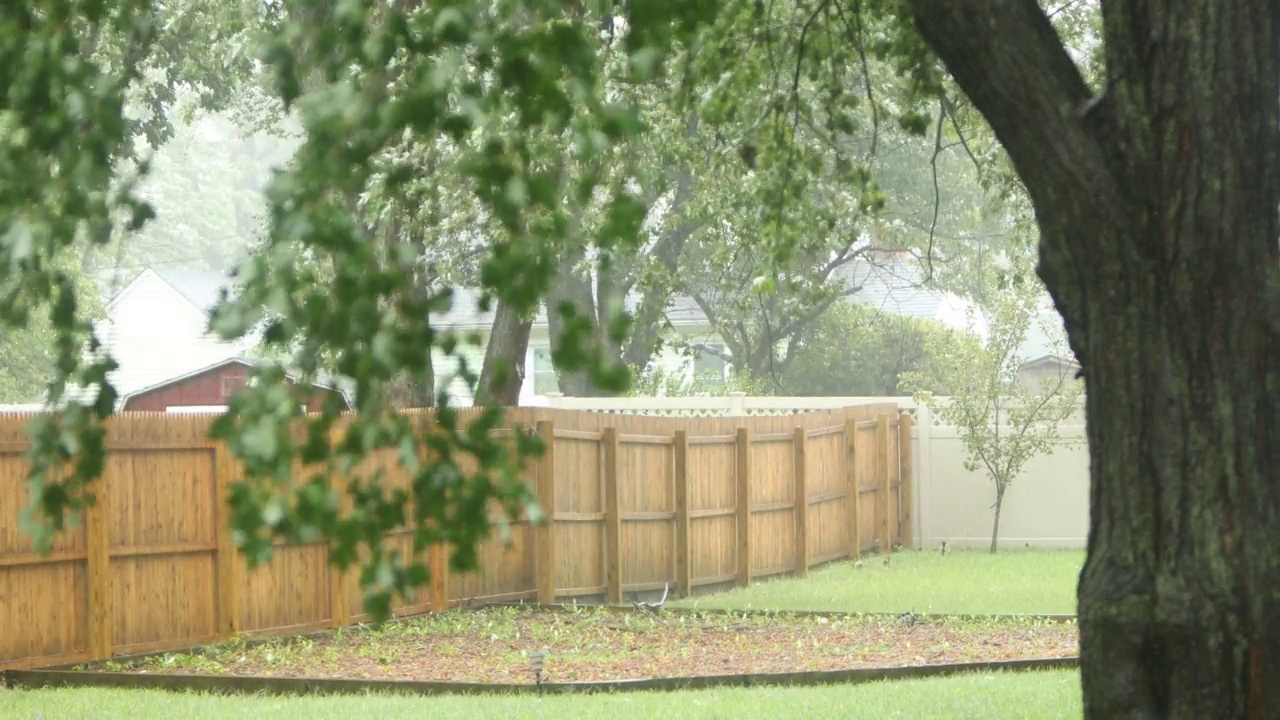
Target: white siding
(155, 334)
(446, 365)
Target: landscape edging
(766, 612)
(231, 684)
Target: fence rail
(634, 503)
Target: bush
(854, 350)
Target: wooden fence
(638, 502)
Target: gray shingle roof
(892, 287)
(199, 286)
(896, 287)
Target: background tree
(1004, 421)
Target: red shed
(211, 387)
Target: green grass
(1013, 581)
(1008, 696)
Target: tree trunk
(407, 392)
(995, 526)
(503, 371)
(572, 289)
(1157, 205)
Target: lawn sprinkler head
(536, 660)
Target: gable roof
(324, 383)
(199, 287)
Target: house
(210, 388)
(890, 287)
(157, 328)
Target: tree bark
(503, 371)
(1157, 205)
(572, 289)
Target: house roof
(200, 287)
(322, 382)
(897, 287)
(465, 314)
(1046, 338)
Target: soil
(494, 645)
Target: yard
(580, 643)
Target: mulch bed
(493, 646)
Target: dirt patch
(494, 645)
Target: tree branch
(1036, 101)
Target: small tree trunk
(995, 526)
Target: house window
(544, 372)
(709, 365)
(231, 385)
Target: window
(544, 372)
(709, 365)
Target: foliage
(484, 76)
(28, 349)
(859, 351)
(1004, 421)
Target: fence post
(228, 565)
(439, 557)
(612, 519)
(737, 404)
(802, 502)
(744, 506)
(905, 497)
(341, 582)
(852, 488)
(883, 497)
(545, 535)
(439, 577)
(98, 554)
(684, 561)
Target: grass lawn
(1012, 581)
(1007, 696)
